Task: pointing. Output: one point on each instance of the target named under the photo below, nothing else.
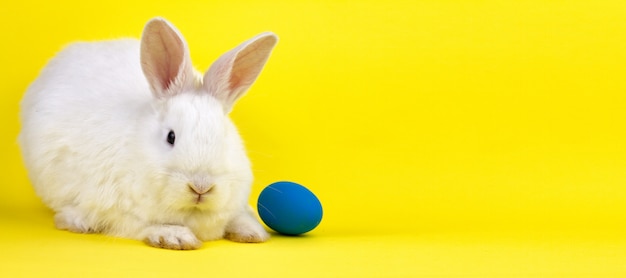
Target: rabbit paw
(172, 237)
(72, 220)
(247, 229)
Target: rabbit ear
(165, 59)
(234, 72)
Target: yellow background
(444, 138)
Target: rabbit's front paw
(246, 229)
(72, 220)
(172, 237)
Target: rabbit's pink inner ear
(235, 71)
(164, 57)
(250, 61)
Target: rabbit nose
(201, 188)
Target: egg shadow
(277, 234)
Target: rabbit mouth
(199, 202)
(200, 192)
(200, 199)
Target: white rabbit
(125, 138)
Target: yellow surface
(444, 138)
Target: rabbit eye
(171, 137)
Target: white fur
(94, 129)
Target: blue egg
(289, 208)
